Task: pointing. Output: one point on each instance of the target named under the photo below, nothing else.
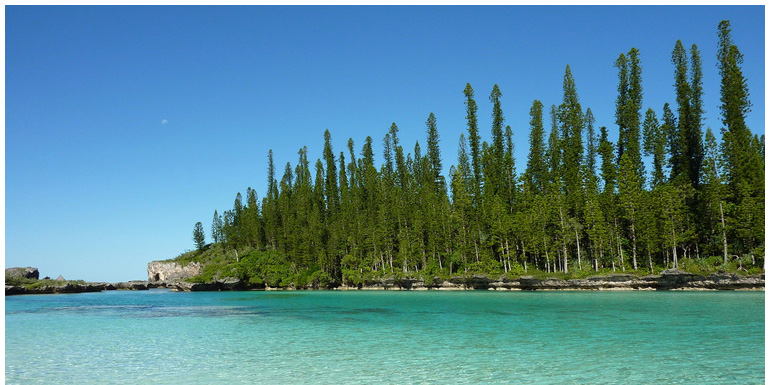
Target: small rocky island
(179, 277)
(26, 280)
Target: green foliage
(537, 168)
(198, 236)
(349, 221)
(31, 283)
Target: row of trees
(582, 203)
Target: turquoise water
(163, 337)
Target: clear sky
(126, 125)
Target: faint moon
(164, 121)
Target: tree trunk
(649, 259)
(633, 238)
(563, 243)
(577, 241)
(564, 247)
(724, 234)
(620, 249)
(612, 257)
(508, 255)
(601, 256)
(673, 249)
(547, 262)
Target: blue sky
(126, 125)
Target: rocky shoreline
(667, 280)
(670, 279)
(77, 287)
(26, 280)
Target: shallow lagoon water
(322, 337)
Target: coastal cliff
(164, 272)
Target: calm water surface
(164, 337)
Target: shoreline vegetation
(666, 195)
(218, 270)
(188, 278)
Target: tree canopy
(700, 205)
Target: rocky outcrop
(68, 287)
(22, 272)
(160, 272)
(24, 280)
(227, 284)
(59, 287)
(130, 285)
(197, 286)
(667, 280)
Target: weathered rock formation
(130, 285)
(25, 280)
(227, 284)
(69, 287)
(670, 279)
(667, 280)
(167, 273)
(22, 272)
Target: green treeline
(583, 203)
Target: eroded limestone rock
(170, 272)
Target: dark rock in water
(612, 278)
(475, 282)
(131, 285)
(675, 279)
(62, 286)
(88, 287)
(197, 286)
(13, 290)
(674, 272)
(406, 283)
(529, 282)
(231, 283)
(22, 272)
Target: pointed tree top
(468, 91)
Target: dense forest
(582, 204)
